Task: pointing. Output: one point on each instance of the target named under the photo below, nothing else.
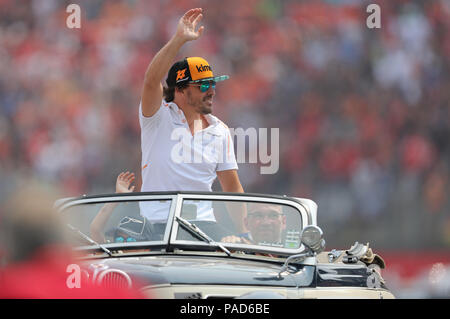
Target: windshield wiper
(194, 230)
(86, 237)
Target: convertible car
(198, 245)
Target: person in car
(123, 185)
(265, 222)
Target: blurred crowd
(363, 113)
(36, 261)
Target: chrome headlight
(312, 237)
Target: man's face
(200, 101)
(266, 223)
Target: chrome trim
(121, 273)
(108, 198)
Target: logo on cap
(181, 74)
(203, 68)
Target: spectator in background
(36, 253)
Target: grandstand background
(363, 113)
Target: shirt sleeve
(152, 121)
(228, 158)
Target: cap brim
(119, 230)
(214, 78)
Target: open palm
(188, 23)
(124, 181)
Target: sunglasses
(131, 228)
(204, 86)
(121, 239)
(132, 225)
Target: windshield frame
(177, 199)
(63, 204)
(304, 211)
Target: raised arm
(152, 91)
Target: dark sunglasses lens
(119, 239)
(205, 86)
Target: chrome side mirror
(312, 237)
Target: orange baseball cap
(193, 69)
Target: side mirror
(312, 237)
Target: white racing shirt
(173, 159)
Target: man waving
(184, 147)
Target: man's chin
(206, 110)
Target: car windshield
(267, 224)
(115, 220)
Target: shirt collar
(180, 119)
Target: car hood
(195, 270)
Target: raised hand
(187, 25)
(124, 181)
